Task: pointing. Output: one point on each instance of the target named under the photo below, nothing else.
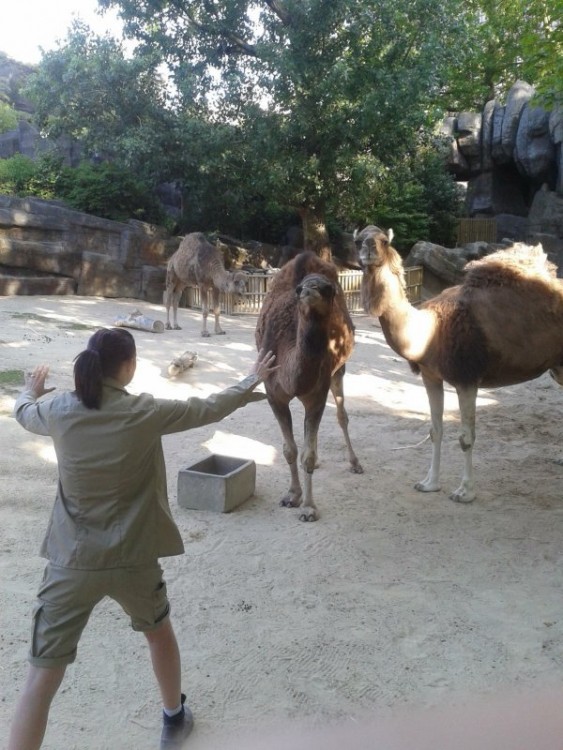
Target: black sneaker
(175, 729)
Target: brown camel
(199, 263)
(305, 323)
(503, 325)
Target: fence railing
(473, 230)
(250, 302)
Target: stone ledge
(15, 282)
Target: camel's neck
(310, 358)
(407, 330)
(221, 278)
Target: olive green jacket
(111, 508)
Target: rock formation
(506, 153)
(46, 248)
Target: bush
(418, 199)
(16, 175)
(101, 189)
(8, 117)
(108, 191)
(45, 181)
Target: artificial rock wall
(46, 248)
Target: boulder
(469, 139)
(54, 249)
(512, 227)
(497, 152)
(521, 147)
(446, 266)
(534, 152)
(546, 213)
(445, 263)
(21, 281)
(556, 132)
(102, 276)
(153, 281)
(487, 136)
(519, 95)
(456, 161)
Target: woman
(111, 520)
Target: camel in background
(197, 262)
(304, 321)
(503, 325)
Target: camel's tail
(171, 276)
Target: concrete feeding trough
(218, 483)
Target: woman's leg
(32, 711)
(165, 657)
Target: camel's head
(359, 237)
(238, 282)
(316, 292)
(375, 248)
(381, 263)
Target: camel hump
(194, 244)
(309, 263)
(512, 265)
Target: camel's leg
(217, 310)
(172, 298)
(292, 498)
(467, 397)
(435, 393)
(167, 300)
(313, 416)
(175, 303)
(204, 311)
(337, 389)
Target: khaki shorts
(67, 597)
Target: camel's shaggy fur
(197, 262)
(502, 325)
(507, 266)
(305, 322)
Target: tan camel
(503, 325)
(305, 322)
(197, 262)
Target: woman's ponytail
(106, 352)
(88, 378)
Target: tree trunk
(315, 234)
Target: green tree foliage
(542, 49)
(16, 175)
(108, 191)
(318, 108)
(221, 192)
(324, 97)
(105, 190)
(507, 40)
(8, 117)
(116, 107)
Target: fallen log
(137, 320)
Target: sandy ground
(392, 598)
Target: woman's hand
(35, 381)
(264, 365)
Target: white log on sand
(137, 320)
(182, 363)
